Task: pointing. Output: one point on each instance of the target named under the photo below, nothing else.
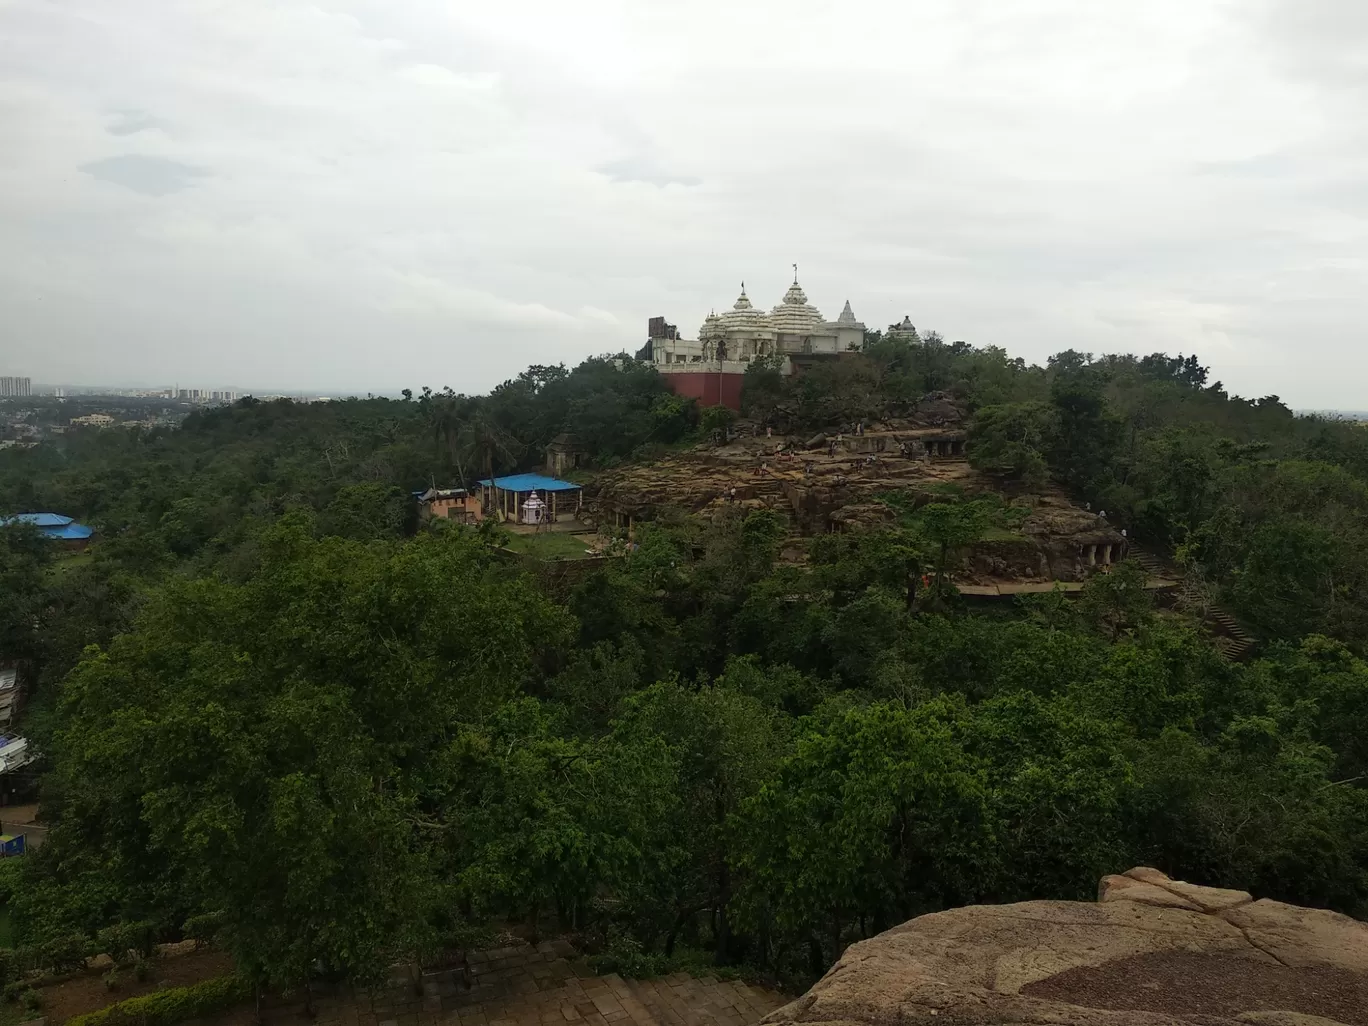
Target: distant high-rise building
(16, 386)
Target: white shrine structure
(709, 368)
(533, 510)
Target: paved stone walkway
(547, 986)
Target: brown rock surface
(1123, 888)
(1151, 952)
(1208, 899)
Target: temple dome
(905, 330)
(712, 328)
(795, 315)
(744, 317)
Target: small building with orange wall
(451, 504)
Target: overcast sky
(372, 194)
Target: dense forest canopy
(278, 710)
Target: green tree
(1013, 440)
(1115, 601)
(725, 745)
(366, 511)
(25, 556)
(1061, 785)
(1088, 432)
(949, 526)
(763, 388)
(266, 748)
(540, 822)
(879, 815)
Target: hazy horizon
(346, 190)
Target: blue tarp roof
(39, 519)
(530, 483)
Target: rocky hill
(834, 481)
(1151, 952)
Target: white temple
(743, 333)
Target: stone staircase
(549, 985)
(682, 1000)
(1230, 639)
(773, 493)
(1152, 564)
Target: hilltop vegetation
(279, 712)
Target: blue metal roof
(38, 519)
(70, 532)
(52, 525)
(531, 483)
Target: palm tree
(472, 436)
(483, 439)
(446, 415)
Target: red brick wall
(710, 388)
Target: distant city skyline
(46, 387)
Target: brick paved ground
(543, 986)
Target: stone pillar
(1107, 554)
(1092, 555)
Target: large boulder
(937, 409)
(1151, 952)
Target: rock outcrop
(1151, 952)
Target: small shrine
(533, 510)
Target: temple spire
(795, 274)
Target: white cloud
(383, 195)
(444, 78)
